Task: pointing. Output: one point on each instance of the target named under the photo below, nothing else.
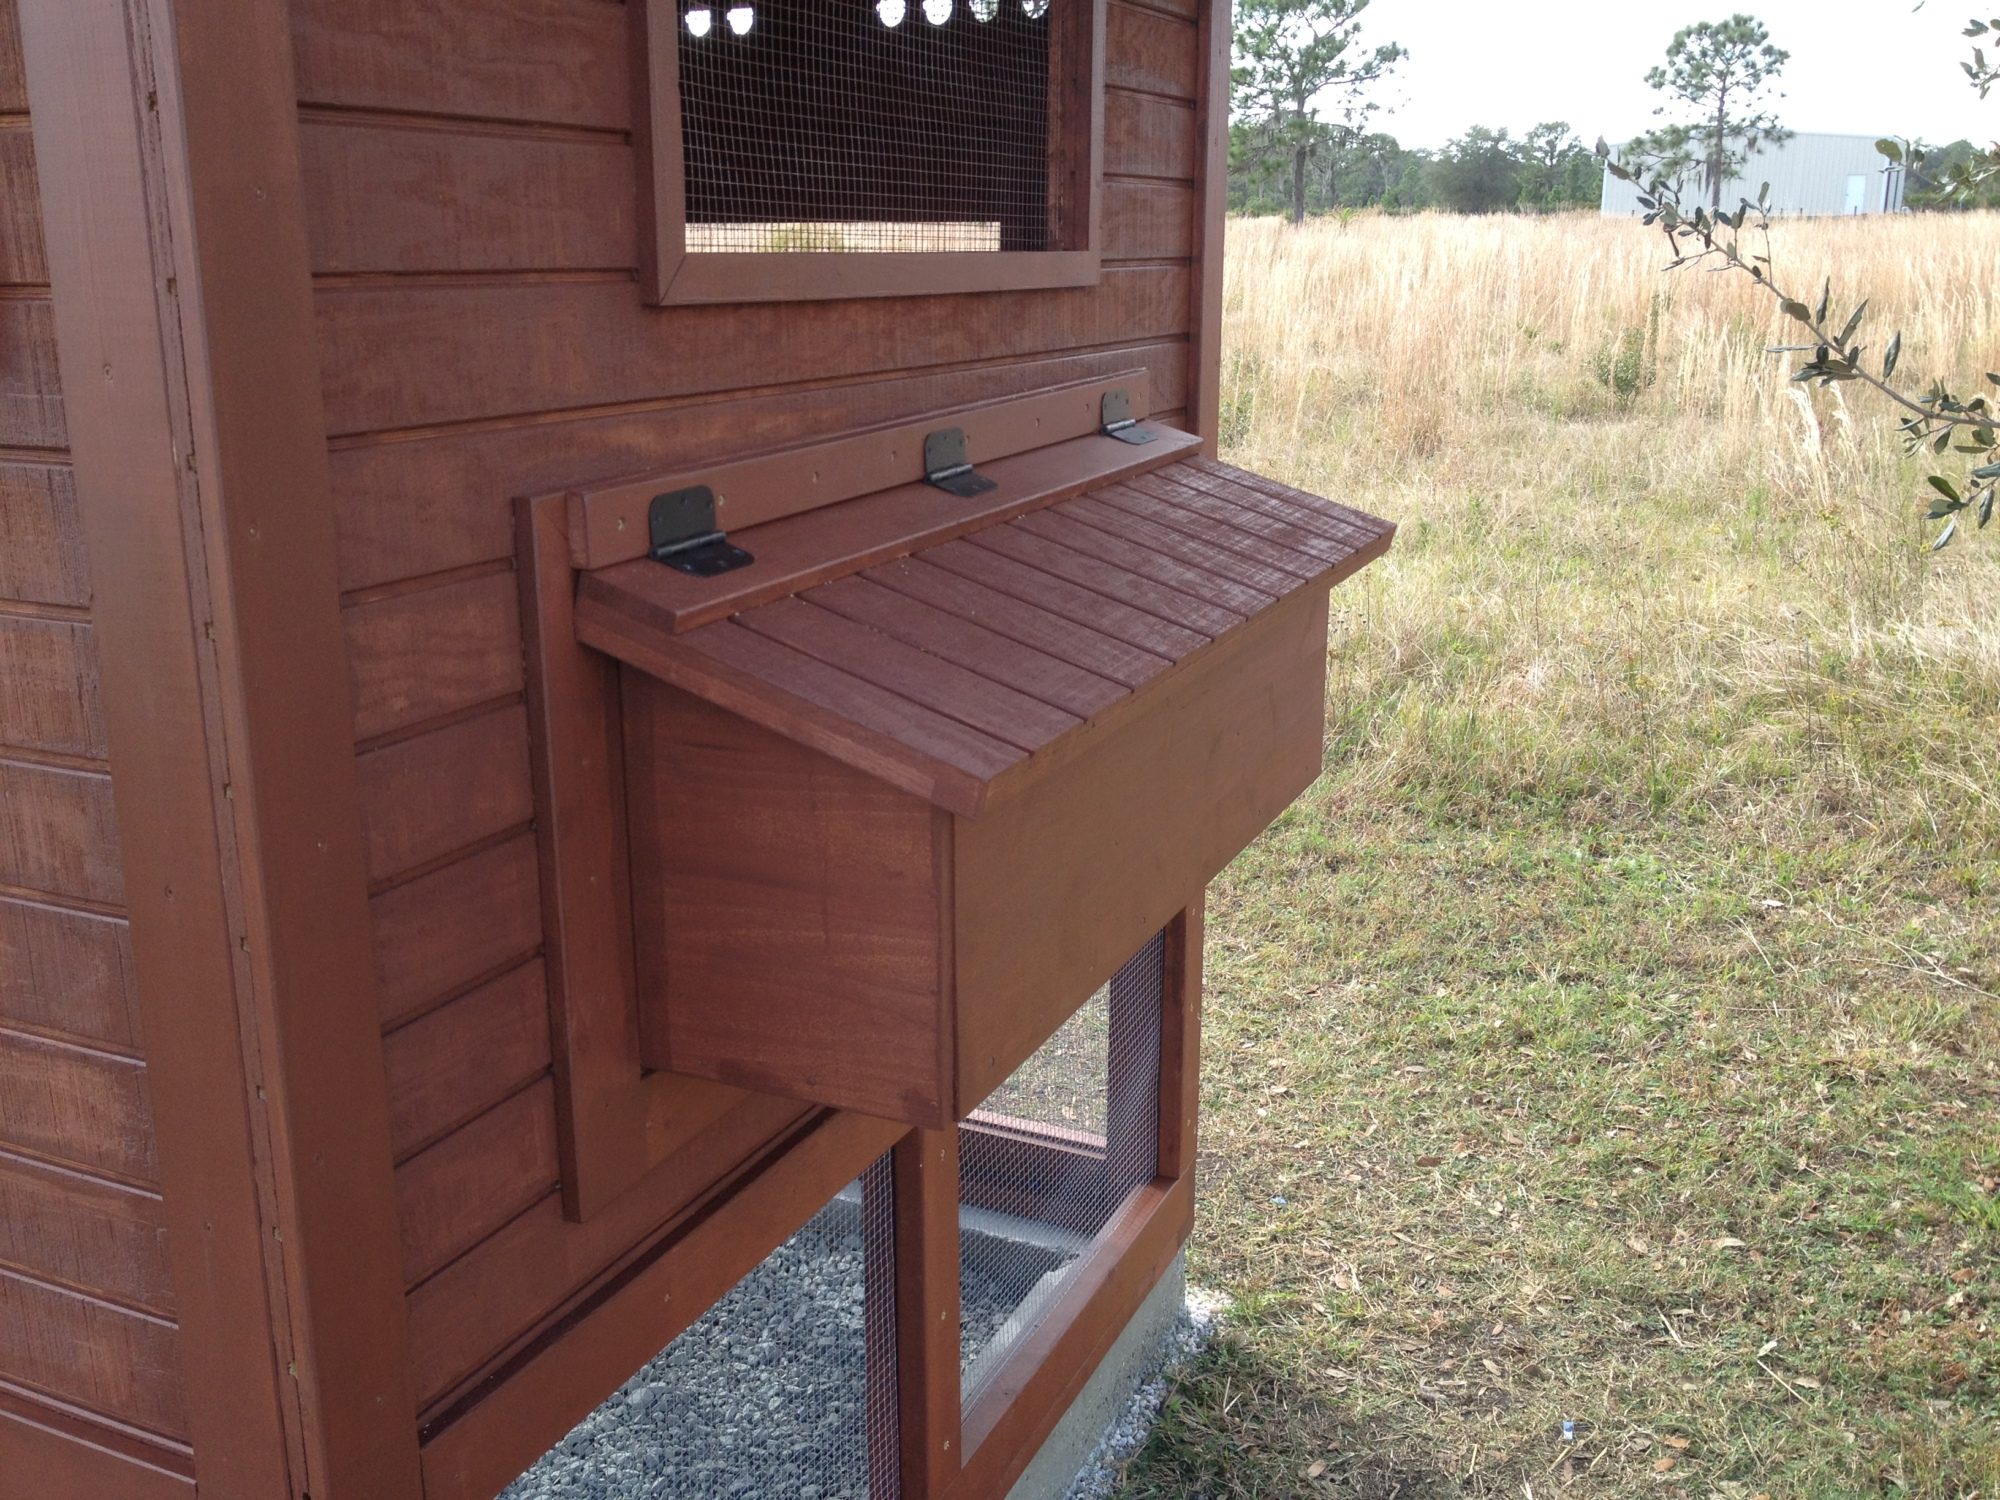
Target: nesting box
(620, 635)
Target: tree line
(1301, 96)
(1335, 167)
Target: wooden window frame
(670, 274)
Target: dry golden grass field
(1610, 1036)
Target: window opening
(841, 125)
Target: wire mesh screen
(1046, 1160)
(785, 1388)
(868, 125)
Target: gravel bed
(1105, 1468)
(764, 1397)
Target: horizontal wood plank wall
(86, 1301)
(471, 207)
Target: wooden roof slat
(981, 657)
(820, 706)
(1359, 520)
(1170, 604)
(911, 672)
(1239, 567)
(1059, 596)
(1245, 518)
(1061, 637)
(1209, 531)
(1281, 500)
(1072, 530)
(969, 644)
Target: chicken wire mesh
(867, 125)
(783, 1390)
(1046, 1160)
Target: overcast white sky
(1857, 67)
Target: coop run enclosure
(623, 659)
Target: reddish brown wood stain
(379, 1200)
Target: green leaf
(1945, 487)
(1796, 310)
(1825, 302)
(1986, 507)
(1893, 353)
(1853, 322)
(1945, 536)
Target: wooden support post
(1180, 1044)
(926, 1175)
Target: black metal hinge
(948, 464)
(1115, 419)
(681, 528)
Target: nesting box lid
(971, 659)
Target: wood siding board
(72, 1457)
(465, 1187)
(408, 198)
(68, 971)
(22, 259)
(1148, 221)
(58, 832)
(49, 694)
(441, 502)
(550, 61)
(1149, 52)
(1150, 137)
(437, 793)
(449, 1066)
(436, 934)
(78, 1106)
(13, 71)
(421, 655)
(478, 351)
(41, 545)
(108, 1359)
(1105, 656)
(80, 1231)
(963, 640)
(492, 1298)
(31, 405)
(415, 197)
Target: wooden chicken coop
(619, 631)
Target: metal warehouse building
(1809, 174)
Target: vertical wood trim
(1204, 384)
(1180, 1045)
(179, 265)
(124, 429)
(233, 183)
(656, 142)
(927, 1312)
